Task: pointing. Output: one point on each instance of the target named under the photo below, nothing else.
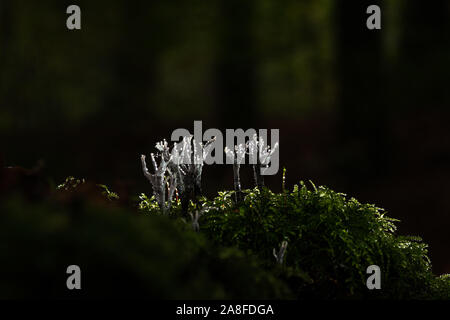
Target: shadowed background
(363, 112)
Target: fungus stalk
(260, 157)
(238, 157)
(157, 180)
(187, 164)
(279, 257)
(179, 170)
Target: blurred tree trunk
(424, 53)
(5, 28)
(426, 22)
(236, 65)
(135, 65)
(362, 112)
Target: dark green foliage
(70, 183)
(121, 254)
(108, 193)
(331, 242)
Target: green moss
(126, 252)
(331, 242)
(120, 253)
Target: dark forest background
(362, 111)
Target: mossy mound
(138, 252)
(331, 242)
(120, 253)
